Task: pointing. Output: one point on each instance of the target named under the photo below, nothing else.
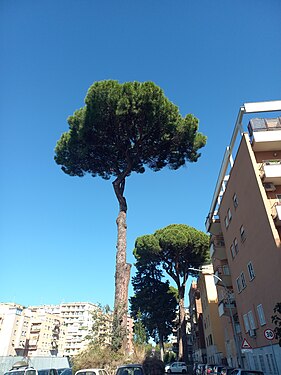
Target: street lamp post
(231, 313)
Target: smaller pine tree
(140, 336)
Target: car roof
(89, 369)
(131, 365)
(178, 362)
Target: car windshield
(66, 371)
(60, 370)
(251, 373)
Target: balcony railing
(276, 213)
(263, 124)
(223, 273)
(265, 134)
(227, 304)
(271, 171)
(213, 224)
(35, 329)
(217, 248)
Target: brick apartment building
(245, 226)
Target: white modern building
(15, 323)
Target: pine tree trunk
(122, 274)
(182, 326)
(122, 271)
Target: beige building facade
(213, 331)
(245, 218)
(46, 335)
(77, 320)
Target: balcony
(213, 225)
(32, 345)
(227, 305)
(265, 134)
(223, 273)
(276, 213)
(35, 329)
(217, 248)
(271, 171)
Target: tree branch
(119, 186)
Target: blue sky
(58, 233)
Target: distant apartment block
(245, 226)
(56, 330)
(78, 321)
(213, 331)
(47, 334)
(15, 323)
(196, 325)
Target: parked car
(239, 371)
(65, 371)
(130, 369)
(48, 371)
(92, 371)
(176, 367)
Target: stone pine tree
(153, 299)
(124, 128)
(178, 248)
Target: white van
(21, 368)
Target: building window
(232, 251)
(246, 322)
(242, 233)
(251, 271)
(225, 270)
(229, 215)
(226, 222)
(251, 320)
(235, 242)
(235, 201)
(243, 281)
(238, 283)
(261, 315)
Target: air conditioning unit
(252, 333)
(269, 186)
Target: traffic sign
(245, 345)
(269, 334)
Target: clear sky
(58, 233)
